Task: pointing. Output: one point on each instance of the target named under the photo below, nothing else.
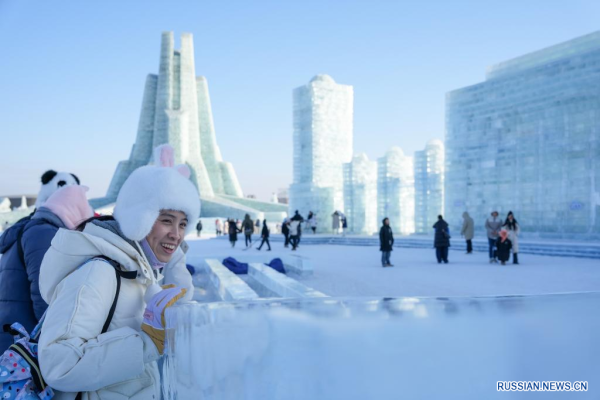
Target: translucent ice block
(406, 348)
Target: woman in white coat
(512, 226)
(155, 208)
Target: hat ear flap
(164, 156)
(184, 170)
(48, 176)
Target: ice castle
(429, 185)
(527, 140)
(323, 135)
(360, 195)
(396, 190)
(176, 109)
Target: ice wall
(527, 140)
(360, 194)
(323, 138)
(408, 348)
(396, 191)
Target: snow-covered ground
(356, 271)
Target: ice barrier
(410, 348)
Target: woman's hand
(154, 316)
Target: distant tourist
(386, 242)
(285, 230)
(441, 241)
(513, 229)
(233, 231)
(218, 227)
(300, 218)
(295, 227)
(344, 223)
(311, 222)
(226, 226)
(257, 226)
(248, 229)
(199, 228)
(503, 244)
(23, 247)
(335, 222)
(492, 226)
(265, 236)
(468, 231)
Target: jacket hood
(71, 249)
(466, 215)
(48, 216)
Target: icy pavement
(356, 271)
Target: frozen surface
(439, 348)
(356, 271)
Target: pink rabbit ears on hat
(164, 156)
(150, 189)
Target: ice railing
(391, 348)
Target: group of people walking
(503, 238)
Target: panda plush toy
(51, 181)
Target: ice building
(527, 140)
(176, 109)
(360, 194)
(396, 191)
(323, 129)
(429, 185)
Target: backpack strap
(119, 274)
(34, 365)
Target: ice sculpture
(4, 204)
(360, 194)
(323, 128)
(527, 140)
(176, 109)
(323, 349)
(396, 191)
(429, 185)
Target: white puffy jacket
(74, 356)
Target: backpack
(20, 373)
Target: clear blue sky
(72, 73)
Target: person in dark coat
(265, 236)
(441, 241)
(233, 231)
(20, 298)
(199, 227)
(503, 246)
(386, 243)
(248, 228)
(285, 230)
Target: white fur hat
(153, 188)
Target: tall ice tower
(323, 129)
(176, 110)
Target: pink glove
(154, 316)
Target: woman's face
(167, 233)
(510, 217)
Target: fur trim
(147, 191)
(51, 182)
